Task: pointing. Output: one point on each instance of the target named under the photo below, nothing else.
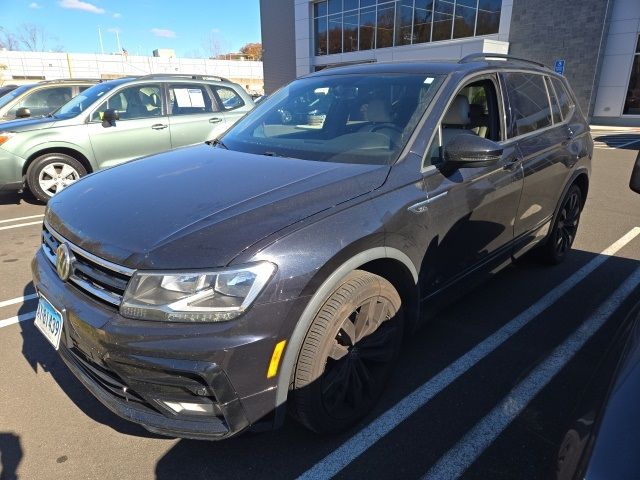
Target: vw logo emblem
(64, 262)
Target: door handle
(512, 164)
(159, 126)
(215, 120)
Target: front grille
(99, 278)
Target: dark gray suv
(199, 291)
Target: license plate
(49, 321)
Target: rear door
(542, 138)
(194, 114)
(471, 210)
(142, 129)
(233, 106)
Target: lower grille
(105, 378)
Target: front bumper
(133, 367)
(10, 171)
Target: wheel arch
(58, 149)
(388, 262)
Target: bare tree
(8, 40)
(211, 45)
(33, 38)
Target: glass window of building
(352, 25)
(632, 101)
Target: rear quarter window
(528, 102)
(564, 99)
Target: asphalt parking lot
(474, 392)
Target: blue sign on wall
(559, 67)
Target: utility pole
(118, 42)
(100, 39)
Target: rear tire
(564, 228)
(348, 354)
(52, 172)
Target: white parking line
(369, 435)
(20, 225)
(21, 218)
(457, 460)
(17, 319)
(13, 301)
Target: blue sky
(186, 26)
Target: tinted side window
(566, 103)
(555, 106)
(44, 101)
(138, 101)
(229, 98)
(190, 98)
(529, 103)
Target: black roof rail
(480, 55)
(185, 75)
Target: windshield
(84, 100)
(340, 118)
(13, 94)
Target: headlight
(195, 296)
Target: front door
(472, 210)
(143, 128)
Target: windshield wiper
(215, 142)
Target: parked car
(113, 122)
(40, 98)
(6, 89)
(603, 440)
(201, 291)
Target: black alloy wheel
(564, 229)
(348, 354)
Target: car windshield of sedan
(340, 118)
(84, 100)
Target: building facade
(595, 43)
(29, 67)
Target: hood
(199, 207)
(26, 124)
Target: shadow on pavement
(10, 455)
(15, 198)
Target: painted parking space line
(13, 301)
(17, 219)
(351, 449)
(17, 319)
(7, 227)
(457, 460)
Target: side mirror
(634, 184)
(23, 112)
(466, 150)
(109, 117)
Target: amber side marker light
(4, 137)
(275, 359)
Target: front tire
(348, 354)
(564, 229)
(52, 172)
